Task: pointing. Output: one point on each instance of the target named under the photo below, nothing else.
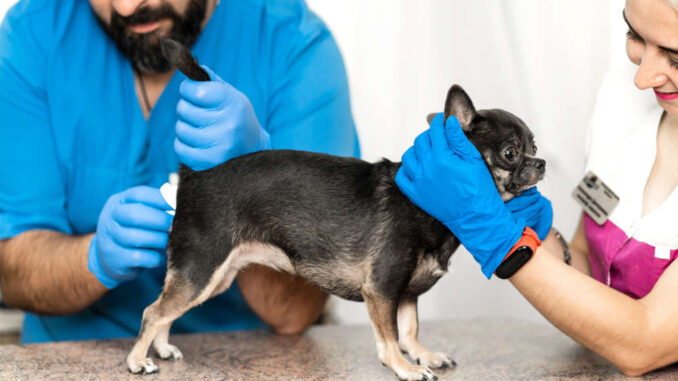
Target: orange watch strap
(529, 239)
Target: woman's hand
(445, 175)
(535, 209)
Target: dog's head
(504, 141)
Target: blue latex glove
(444, 174)
(131, 235)
(215, 123)
(535, 209)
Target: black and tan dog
(340, 223)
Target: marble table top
(484, 348)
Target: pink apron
(623, 263)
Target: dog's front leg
(382, 312)
(408, 327)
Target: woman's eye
(510, 154)
(631, 35)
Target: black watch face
(514, 262)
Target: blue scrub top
(72, 132)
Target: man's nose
(651, 69)
(126, 7)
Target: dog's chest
(425, 275)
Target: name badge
(596, 198)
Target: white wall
(542, 60)
(4, 6)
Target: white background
(542, 60)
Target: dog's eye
(534, 147)
(510, 154)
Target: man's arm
(287, 303)
(45, 272)
(637, 336)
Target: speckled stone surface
(484, 348)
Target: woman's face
(652, 44)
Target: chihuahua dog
(340, 223)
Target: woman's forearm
(606, 321)
(45, 272)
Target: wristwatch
(519, 254)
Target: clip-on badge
(596, 198)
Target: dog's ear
(459, 104)
(429, 117)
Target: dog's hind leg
(172, 303)
(383, 310)
(161, 344)
(408, 327)
(177, 297)
(163, 348)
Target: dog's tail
(181, 57)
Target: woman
(619, 296)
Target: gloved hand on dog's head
(216, 123)
(131, 235)
(445, 175)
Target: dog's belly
(425, 275)
(341, 279)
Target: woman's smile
(666, 96)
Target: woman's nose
(651, 69)
(126, 7)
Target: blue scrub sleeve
(32, 194)
(309, 108)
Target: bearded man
(93, 119)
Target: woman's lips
(145, 28)
(666, 96)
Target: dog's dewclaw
(181, 57)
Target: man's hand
(444, 174)
(131, 235)
(215, 123)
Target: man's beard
(143, 50)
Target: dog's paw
(169, 352)
(416, 373)
(145, 366)
(435, 360)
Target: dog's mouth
(524, 179)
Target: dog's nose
(539, 164)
